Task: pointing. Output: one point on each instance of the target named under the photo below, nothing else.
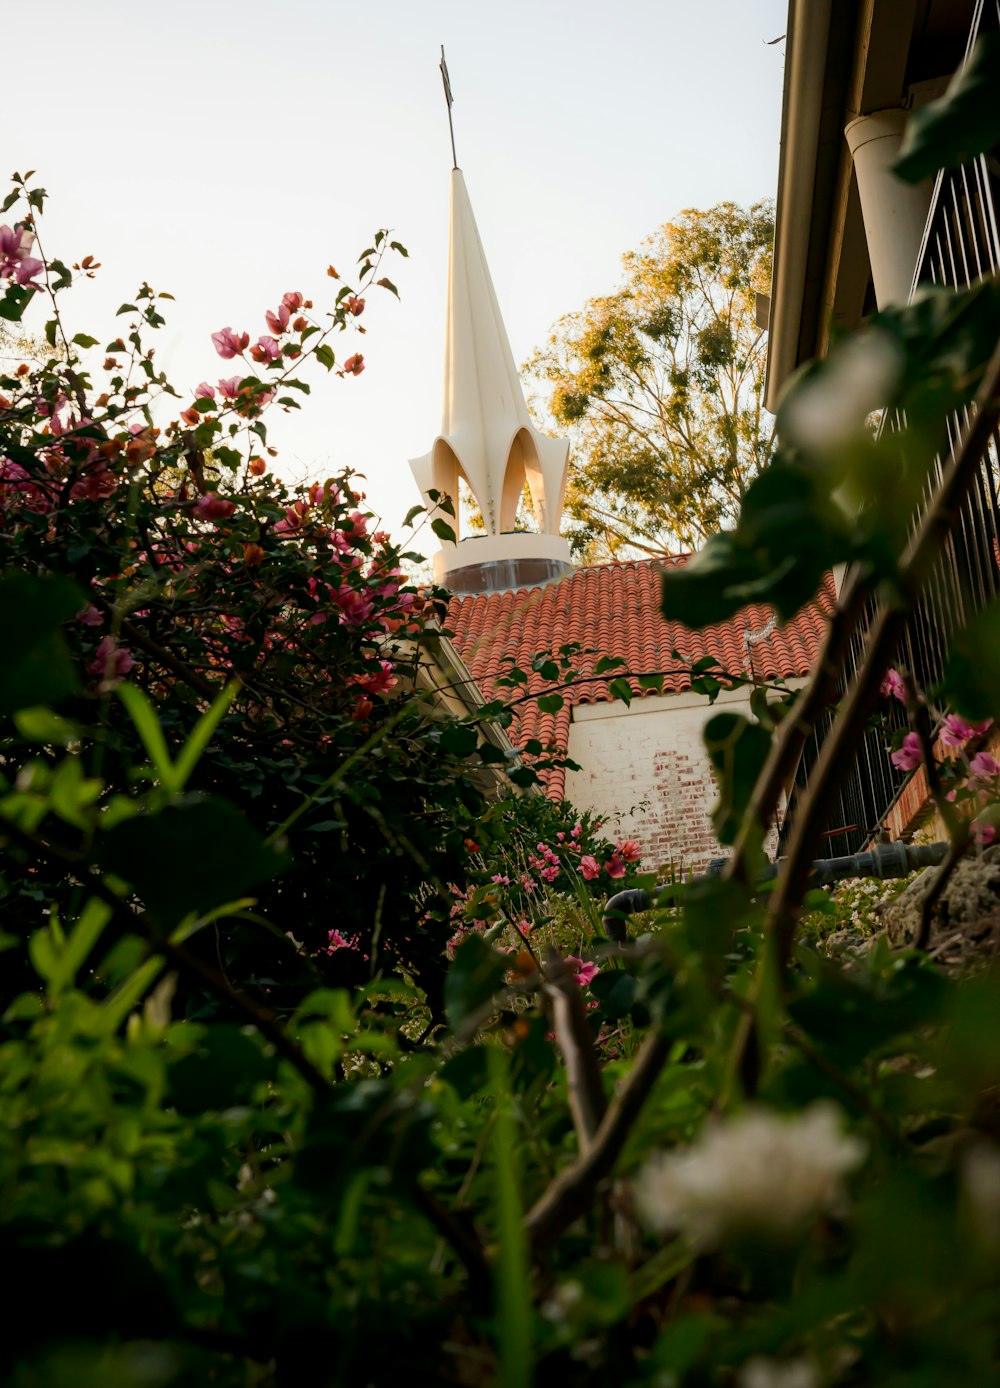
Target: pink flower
(292, 300)
(90, 616)
(615, 867)
(983, 833)
(212, 507)
(630, 851)
(585, 973)
(26, 271)
(910, 755)
(354, 606)
(15, 243)
(229, 389)
(589, 868)
(551, 872)
(278, 322)
(956, 732)
(204, 391)
(982, 764)
(265, 349)
(894, 686)
(229, 344)
(358, 524)
(111, 663)
(354, 366)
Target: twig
(956, 851)
(583, 1074)
(569, 1195)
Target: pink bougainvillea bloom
(630, 851)
(910, 755)
(355, 306)
(26, 271)
(983, 834)
(265, 349)
(229, 344)
(589, 867)
(585, 972)
(90, 616)
(212, 507)
(204, 391)
(982, 764)
(257, 467)
(956, 732)
(615, 867)
(229, 389)
(354, 366)
(292, 300)
(111, 663)
(893, 686)
(191, 416)
(278, 322)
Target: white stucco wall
(645, 770)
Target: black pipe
(883, 860)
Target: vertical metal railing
(961, 244)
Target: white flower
(772, 1373)
(758, 1172)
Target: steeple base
(494, 563)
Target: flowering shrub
(235, 1150)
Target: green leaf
(225, 1070)
(412, 515)
(737, 750)
(476, 974)
(82, 340)
(443, 530)
(399, 248)
(59, 960)
(972, 675)
(961, 124)
(37, 667)
(195, 855)
(10, 200)
(621, 689)
(651, 682)
(40, 724)
(609, 662)
(324, 355)
(126, 308)
(550, 703)
(201, 734)
(147, 725)
(459, 740)
(15, 300)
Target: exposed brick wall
(645, 769)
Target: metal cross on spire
(450, 99)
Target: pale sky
(229, 150)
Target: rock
(968, 908)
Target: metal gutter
(808, 33)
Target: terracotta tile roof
(613, 610)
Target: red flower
(354, 366)
(212, 507)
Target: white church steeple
(487, 437)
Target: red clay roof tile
(613, 610)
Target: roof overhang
(844, 58)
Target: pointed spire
(487, 436)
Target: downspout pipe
(883, 860)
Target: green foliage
(961, 124)
(256, 1129)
